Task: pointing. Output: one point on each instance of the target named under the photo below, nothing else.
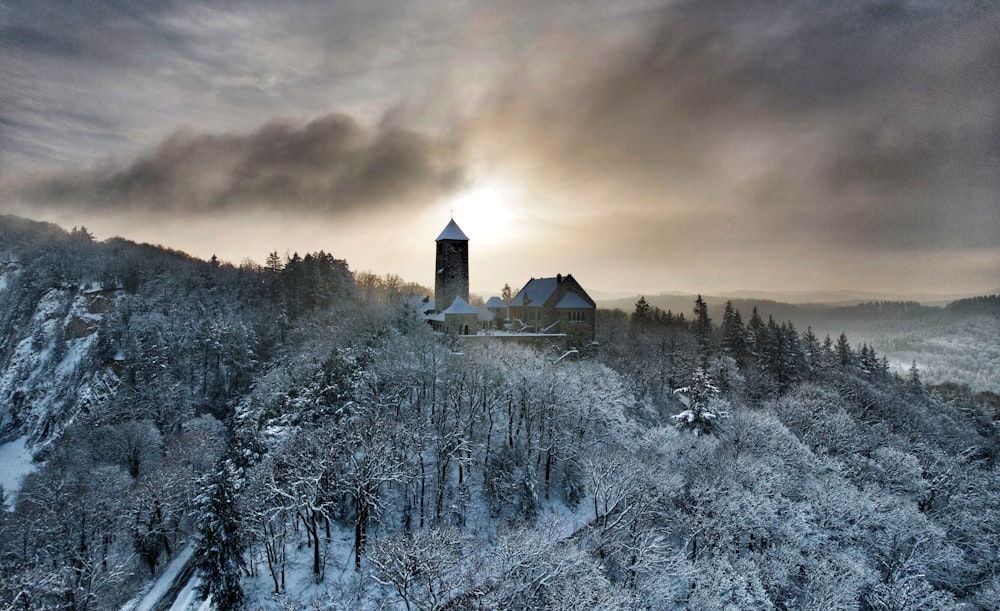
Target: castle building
(556, 305)
(549, 307)
(451, 278)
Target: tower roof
(452, 232)
(460, 306)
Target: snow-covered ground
(163, 583)
(189, 600)
(15, 463)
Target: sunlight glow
(482, 214)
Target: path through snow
(15, 463)
(152, 597)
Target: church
(556, 307)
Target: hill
(318, 446)
(959, 342)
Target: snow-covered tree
(220, 550)
(703, 408)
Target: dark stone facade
(557, 305)
(451, 278)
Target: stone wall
(451, 273)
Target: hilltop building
(556, 307)
(451, 278)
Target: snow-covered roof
(420, 303)
(439, 317)
(460, 306)
(535, 292)
(495, 303)
(485, 315)
(452, 232)
(573, 301)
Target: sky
(643, 146)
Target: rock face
(51, 370)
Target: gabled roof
(573, 301)
(485, 314)
(420, 303)
(460, 306)
(535, 292)
(452, 232)
(495, 303)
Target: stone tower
(451, 268)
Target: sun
(482, 214)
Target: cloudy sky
(644, 146)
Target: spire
(452, 232)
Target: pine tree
(811, 349)
(773, 353)
(273, 264)
(702, 329)
(734, 341)
(845, 355)
(640, 316)
(702, 414)
(914, 383)
(868, 360)
(827, 355)
(506, 293)
(755, 333)
(793, 360)
(220, 552)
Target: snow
(452, 232)
(460, 306)
(535, 292)
(76, 350)
(15, 463)
(162, 584)
(189, 600)
(573, 301)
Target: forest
(301, 429)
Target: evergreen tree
(220, 551)
(702, 329)
(845, 355)
(755, 333)
(702, 414)
(868, 360)
(827, 355)
(734, 342)
(640, 316)
(793, 361)
(273, 264)
(506, 293)
(771, 349)
(914, 383)
(811, 349)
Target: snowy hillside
(48, 376)
(296, 443)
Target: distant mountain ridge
(791, 298)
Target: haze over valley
(643, 304)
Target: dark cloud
(872, 125)
(329, 165)
(802, 131)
